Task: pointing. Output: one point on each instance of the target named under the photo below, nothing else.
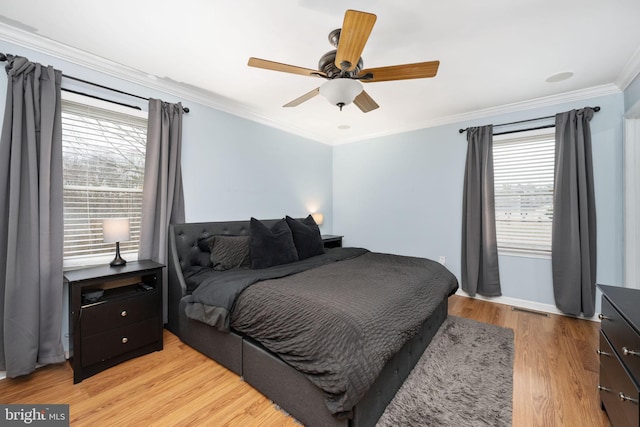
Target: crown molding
(43, 45)
(547, 101)
(630, 71)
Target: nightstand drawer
(618, 392)
(115, 314)
(622, 337)
(115, 342)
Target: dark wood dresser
(115, 315)
(619, 352)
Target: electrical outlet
(442, 259)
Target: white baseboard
(3, 374)
(521, 303)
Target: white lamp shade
(116, 230)
(341, 91)
(318, 218)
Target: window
(103, 150)
(523, 183)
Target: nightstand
(115, 314)
(331, 241)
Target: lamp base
(118, 261)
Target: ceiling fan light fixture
(341, 91)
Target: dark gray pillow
(203, 256)
(204, 243)
(306, 237)
(228, 252)
(271, 246)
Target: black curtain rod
(135, 107)
(523, 130)
(3, 58)
(596, 109)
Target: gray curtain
(31, 223)
(479, 245)
(162, 195)
(573, 248)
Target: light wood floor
(555, 378)
(555, 369)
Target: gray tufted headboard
(184, 252)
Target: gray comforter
(340, 322)
(216, 291)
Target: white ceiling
(494, 54)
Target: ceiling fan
(343, 67)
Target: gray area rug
(464, 378)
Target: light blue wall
(632, 93)
(403, 194)
(235, 169)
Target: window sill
(523, 254)
(81, 262)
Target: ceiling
(495, 55)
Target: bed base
(293, 392)
(290, 389)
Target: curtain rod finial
(461, 130)
(3, 57)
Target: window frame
(99, 259)
(522, 137)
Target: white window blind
(523, 183)
(103, 168)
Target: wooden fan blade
(365, 103)
(307, 96)
(418, 70)
(285, 68)
(354, 34)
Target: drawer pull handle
(603, 317)
(600, 388)
(123, 313)
(125, 340)
(628, 352)
(624, 398)
(603, 353)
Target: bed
(346, 379)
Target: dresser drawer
(114, 342)
(622, 336)
(114, 314)
(614, 383)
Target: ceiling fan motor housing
(327, 65)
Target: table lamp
(116, 230)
